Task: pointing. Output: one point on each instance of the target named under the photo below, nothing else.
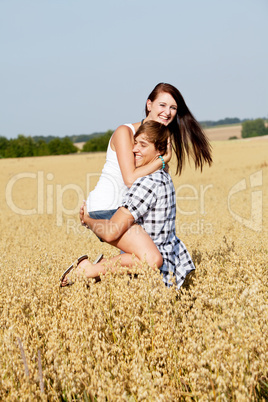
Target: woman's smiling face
(144, 151)
(163, 109)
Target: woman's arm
(108, 230)
(123, 142)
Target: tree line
(97, 142)
(73, 138)
(27, 146)
(41, 146)
(222, 122)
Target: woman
(148, 208)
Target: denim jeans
(102, 214)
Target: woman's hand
(168, 154)
(83, 213)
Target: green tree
(67, 146)
(61, 146)
(254, 128)
(20, 147)
(3, 146)
(41, 148)
(98, 144)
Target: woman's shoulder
(123, 129)
(126, 131)
(121, 132)
(128, 127)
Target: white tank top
(110, 188)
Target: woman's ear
(149, 105)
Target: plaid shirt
(152, 203)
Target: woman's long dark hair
(188, 138)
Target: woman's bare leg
(94, 270)
(134, 241)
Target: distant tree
(85, 137)
(254, 128)
(61, 146)
(20, 147)
(67, 146)
(41, 148)
(98, 144)
(3, 146)
(54, 146)
(227, 120)
(234, 137)
(46, 139)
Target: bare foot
(84, 268)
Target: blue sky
(76, 66)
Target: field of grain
(133, 339)
(224, 132)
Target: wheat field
(224, 132)
(133, 339)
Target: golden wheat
(131, 338)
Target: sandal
(74, 265)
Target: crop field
(223, 133)
(131, 338)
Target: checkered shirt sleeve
(141, 197)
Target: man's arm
(108, 230)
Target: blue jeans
(102, 214)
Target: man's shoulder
(145, 181)
(160, 177)
(153, 181)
